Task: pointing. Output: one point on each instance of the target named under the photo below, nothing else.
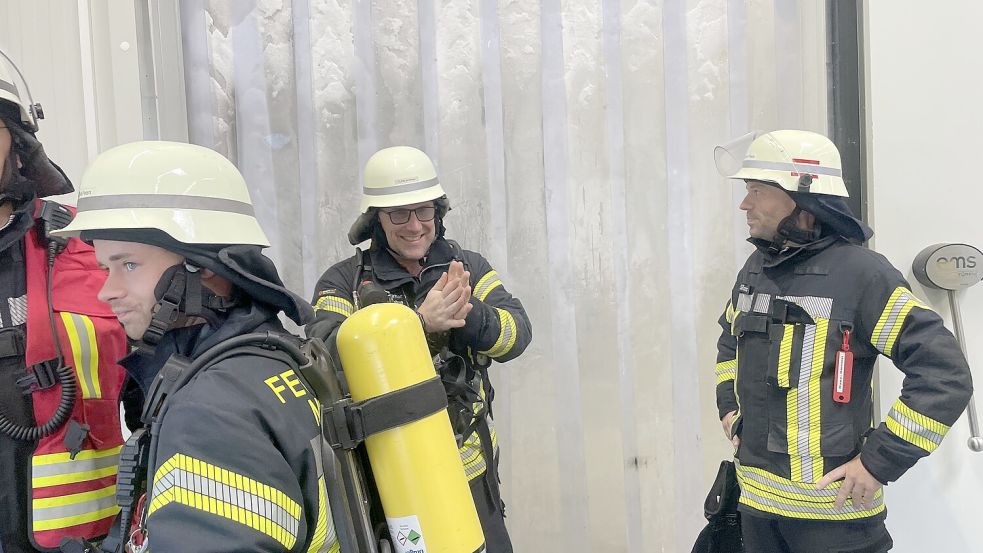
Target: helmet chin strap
(182, 296)
(790, 233)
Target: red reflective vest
(74, 497)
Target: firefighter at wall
(808, 315)
(59, 381)
(470, 319)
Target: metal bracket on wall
(953, 267)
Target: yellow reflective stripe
(315, 406)
(486, 284)
(473, 456)
(726, 370)
(892, 319)
(85, 352)
(83, 497)
(108, 512)
(323, 540)
(73, 478)
(803, 407)
(815, 398)
(729, 313)
(771, 493)
(785, 356)
(335, 304)
(84, 455)
(733, 322)
(69, 510)
(57, 469)
(915, 428)
(212, 489)
(506, 335)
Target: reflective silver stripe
(72, 467)
(85, 370)
(169, 201)
(9, 87)
(506, 335)
(473, 454)
(485, 285)
(399, 188)
(801, 446)
(916, 428)
(793, 167)
(183, 480)
(743, 302)
(816, 307)
(222, 492)
(762, 303)
(336, 304)
(75, 509)
(18, 310)
(749, 497)
(757, 489)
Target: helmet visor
(729, 157)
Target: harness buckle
(39, 377)
(11, 342)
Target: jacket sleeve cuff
(476, 324)
(726, 401)
(881, 460)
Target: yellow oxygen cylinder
(417, 467)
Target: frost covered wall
(925, 141)
(574, 139)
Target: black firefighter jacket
(496, 328)
(237, 463)
(785, 322)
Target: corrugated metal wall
(575, 142)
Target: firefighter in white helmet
(469, 317)
(231, 432)
(59, 381)
(810, 312)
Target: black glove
(48, 178)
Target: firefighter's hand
(858, 484)
(446, 305)
(456, 271)
(727, 422)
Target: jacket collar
(388, 270)
(800, 253)
(20, 222)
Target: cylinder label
(406, 534)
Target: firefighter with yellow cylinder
(454, 299)
(415, 466)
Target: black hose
(66, 377)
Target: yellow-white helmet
(797, 161)
(400, 175)
(192, 193)
(9, 91)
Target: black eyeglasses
(402, 216)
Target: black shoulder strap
(363, 266)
